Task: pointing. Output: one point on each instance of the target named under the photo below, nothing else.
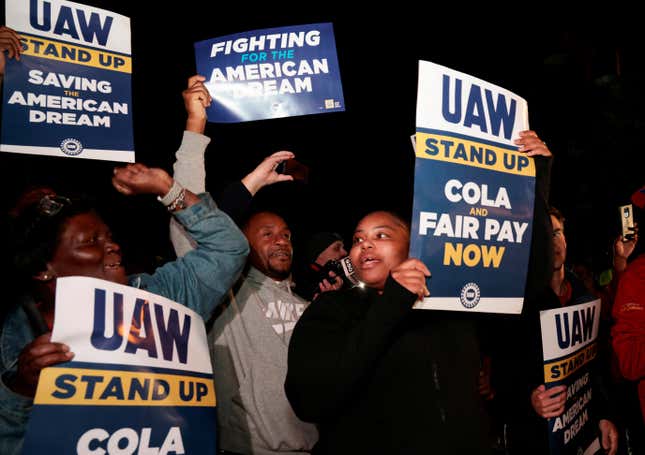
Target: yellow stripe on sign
(561, 369)
(65, 52)
(472, 153)
(79, 386)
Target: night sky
(584, 90)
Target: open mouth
(368, 261)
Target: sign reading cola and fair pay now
(473, 193)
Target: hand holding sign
(10, 42)
(531, 144)
(38, 354)
(411, 274)
(609, 436)
(549, 402)
(196, 100)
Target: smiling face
(270, 241)
(380, 243)
(85, 247)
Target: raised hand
(196, 100)
(265, 173)
(140, 179)
(10, 42)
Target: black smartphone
(294, 168)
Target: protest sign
(473, 193)
(70, 93)
(271, 73)
(140, 380)
(569, 343)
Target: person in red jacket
(628, 332)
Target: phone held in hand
(294, 168)
(626, 222)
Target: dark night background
(584, 89)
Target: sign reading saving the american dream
(70, 93)
(271, 73)
(569, 344)
(140, 381)
(473, 193)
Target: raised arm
(189, 168)
(203, 276)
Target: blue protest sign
(70, 93)
(140, 381)
(271, 73)
(473, 193)
(569, 344)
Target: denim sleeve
(201, 278)
(14, 414)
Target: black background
(583, 81)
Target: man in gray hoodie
(249, 342)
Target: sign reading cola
(473, 193)
(140, 380)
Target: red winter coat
(628, 332)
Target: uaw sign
(569, 343)
(70, 93)
(473, 193)
(140, 381)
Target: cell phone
(627, 222)
(294, 168)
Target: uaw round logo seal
(469, 295)
(71, 146)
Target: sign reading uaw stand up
(70, 93)
(140, 381)
(473, 193)
(569, 344)
(271, 73)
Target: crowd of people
(317, 364)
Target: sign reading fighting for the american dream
(271, 73)
(70, 93)
(473, 193)
(569, 343)
(140, 380)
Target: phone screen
(627, 221)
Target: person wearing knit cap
(318, 250)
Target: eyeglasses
(51, 205)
